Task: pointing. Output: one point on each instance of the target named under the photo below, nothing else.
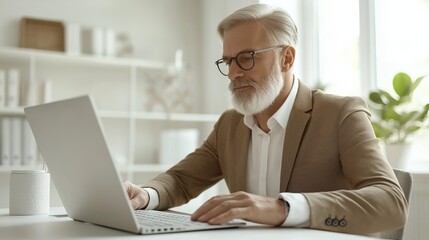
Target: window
(353, 46)
(328, 45)
(402, 41)
(339, 46)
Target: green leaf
(411, 129)
(390, 113)
(410, 116)
(376, 98)
(416, 83)
(402, 84)
(404, 99)
(424, 113)
(380, 131)
(390, 100)
(393, 125)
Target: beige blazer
(330, 154)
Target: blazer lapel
(241, 150)
(295, 129)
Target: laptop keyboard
(161, 221)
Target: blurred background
(149, 66)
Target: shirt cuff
(299, 210)
(153, 199)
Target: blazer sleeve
(191, 176)
(375, 201)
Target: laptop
(70, 138)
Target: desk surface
(50, 227)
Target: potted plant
(397, 118)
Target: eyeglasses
(245, 60)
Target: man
(289, 156)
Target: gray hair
(279, 26)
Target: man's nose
(235, 71)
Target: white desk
(50, 227)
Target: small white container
(29, 192)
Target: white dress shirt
(265, 160)
(264, 164)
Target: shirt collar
(282, 114)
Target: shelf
(8, 169)
(114, 114)
(131, 168)
(145, 168)
(123, 123)
(160, 116)
(19, 112)
(188, 117)
(88, 59)
(12, 112)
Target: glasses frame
(225, 60)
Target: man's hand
(242, 205)
(139, 197)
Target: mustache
(242, 83)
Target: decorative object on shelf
(99, 41)
(73, 39)
(109, 42)
(171, 91)
(115, 118)
(42, 34)
(124, 47)
(397, 118)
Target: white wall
(216, 93)
(157, 28)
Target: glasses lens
(223, 67)
(245, 60)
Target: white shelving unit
(116, 86)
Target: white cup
(29, 192)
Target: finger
(134, 203)
(128, 188)
(225, 208)
(231, 214)
(215, 201)
(208, 205)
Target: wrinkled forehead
(245, 36)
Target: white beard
(266, 93)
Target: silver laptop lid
(72, 143)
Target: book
(2, 88)
(29, 152)
(97, 41)
(73, 39)
(15, 141)
(109, 42)
(30, 97)
(13, 86)
(5, 141)
(47, 91)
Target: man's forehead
(244, 36)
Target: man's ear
(288, 58)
